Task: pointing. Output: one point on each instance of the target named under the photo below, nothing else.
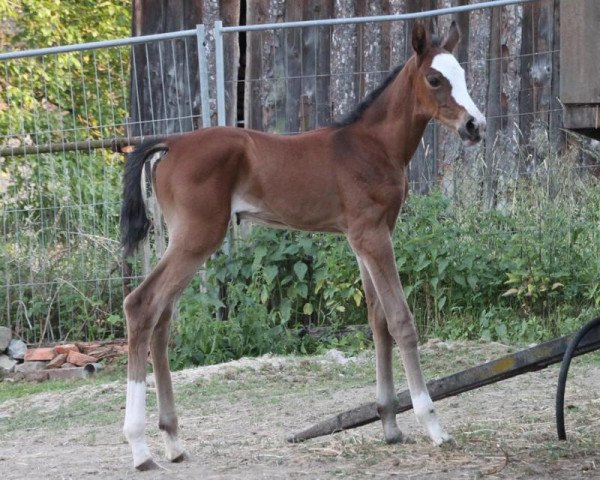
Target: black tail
(134, 221)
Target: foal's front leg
(386, 396)
(374, 247)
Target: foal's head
(440, 85)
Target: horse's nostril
(470, 126)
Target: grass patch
(13, 390)
(55, 404)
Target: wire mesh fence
(65, 119)
(62, 273)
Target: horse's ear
(420, 40)
(452, 37)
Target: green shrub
(523, 274)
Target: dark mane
(358, 111)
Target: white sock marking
(173, 448)
(423, 407)
(135, 421)
(448, 66)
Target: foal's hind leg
(144, 307)
(167, 416)
(386, 397)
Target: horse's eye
(434, 81)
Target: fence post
(220, 66)
(203, 75)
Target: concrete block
(30, 367)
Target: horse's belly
(311, 219)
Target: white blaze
(448, 66)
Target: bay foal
(348, 178)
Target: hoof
(447, 443)
(182, 457)
(396, 438)
(147, 465)
(399, 438)
(392, 433)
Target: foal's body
(349, 178)
(300, 184)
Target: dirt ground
(234, 419)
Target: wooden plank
(493, 110)
(316, 41)
(537, 70)
(164, 74)
(257, 11)
(323, 67)
(464, 25)
(308, 114)
(529, 360)
(580, 62)
(422, 170)
(344, 88)
(293, 67)
(580, 55)
(229, 11)
(556, 134)
(120, 145)
(584, 119)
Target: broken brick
(57, 361)
(66, 348)
(39, 354)
(80, 359)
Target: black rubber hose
(562, 377)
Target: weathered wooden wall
(165, 87)
(287, 71)
(297, 80)
(580, 57)
(163, 99)
(165, 95)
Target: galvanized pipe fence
(67, 113)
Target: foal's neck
(395, 118)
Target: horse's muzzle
(472, 131)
